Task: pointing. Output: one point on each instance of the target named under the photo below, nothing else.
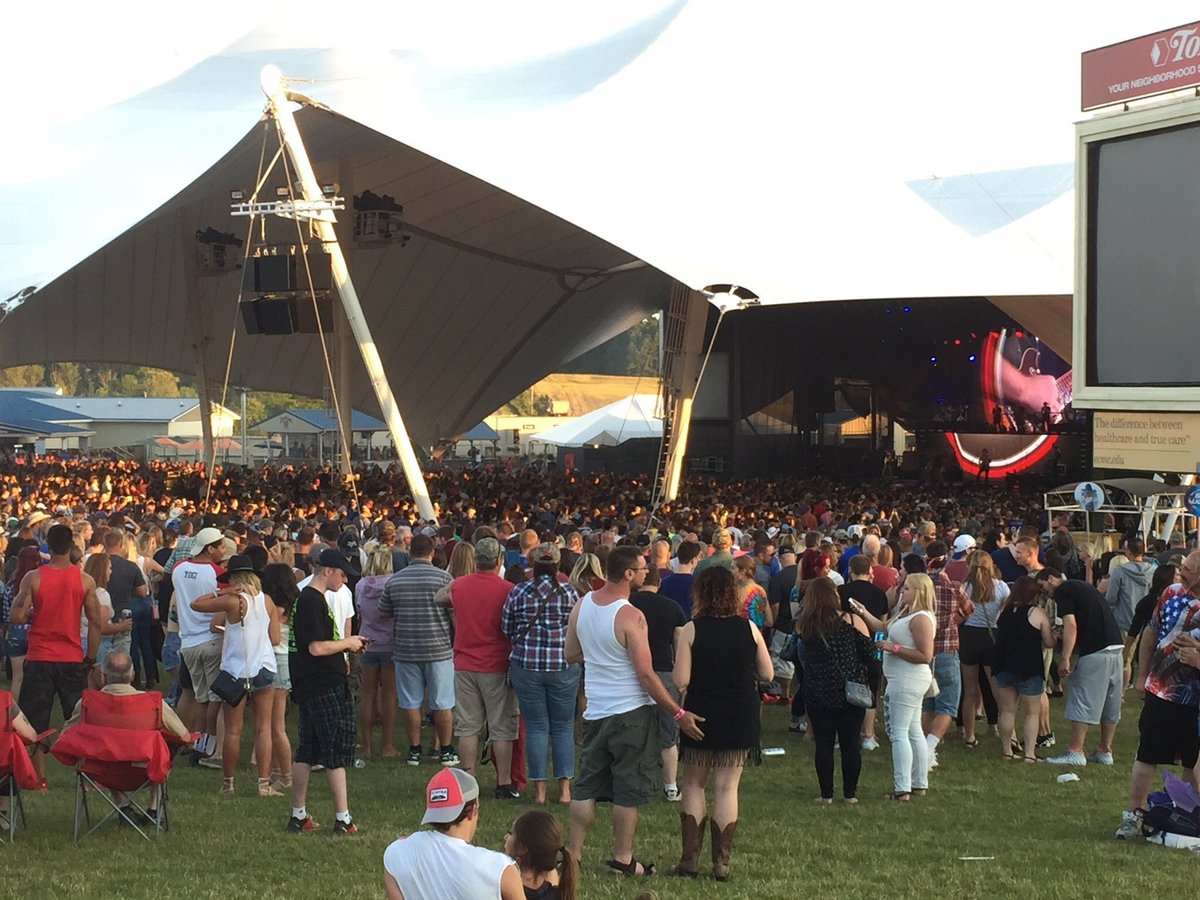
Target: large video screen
(1143, 278)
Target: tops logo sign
(1142, 67)
(1184, 44)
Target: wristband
(895, 649)
(680, 713)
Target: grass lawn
(1044, 839)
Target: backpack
(1171, 819)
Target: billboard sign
(1142, 67)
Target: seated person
(117, 674)
(442, 862)
(25, 730)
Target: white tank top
(610, 683)
(429, 865)
(247, 648)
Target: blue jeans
(142, 644)
(548, 702)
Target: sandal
(899, 796)
(630, 869)
(1007, 757)
(972, 744)
(1030, 759)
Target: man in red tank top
(53, 599)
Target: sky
(789, 147)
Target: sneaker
(210, 762)
(300, 826)
(1070, 758)
(344, 829)
(798, 728)
(414, 756)
(1100, 759)
(506, 792)
(1046, 740)
(933, 760)
(450, 756)
(672, 794)
(1131, 826)
(870, 744)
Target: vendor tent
(637, 416)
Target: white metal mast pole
(276, 89)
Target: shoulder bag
(229, 688)
(857, 693)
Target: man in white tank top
(442, 862)
(620, 725)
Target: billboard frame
(1101, 128)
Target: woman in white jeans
(907, 653)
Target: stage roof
(805, 151)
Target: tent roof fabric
(481, 432)
(637, 416)
(490, 294)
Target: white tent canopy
(807, 151)
(636, 416)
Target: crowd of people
(550, 608)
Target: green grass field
(1041, 838)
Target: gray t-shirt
(420, 629)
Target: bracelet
(896, 649)
(680, 713)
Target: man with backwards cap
(442, 862)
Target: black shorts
(327, 729)
(975, 646)
(1169, 734)
(43, 681)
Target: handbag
(229, 688)
(857, 694)
(791, 650)
(934, 689)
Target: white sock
(932, 740)
(299, 812)
(343, 816)
(671, 787)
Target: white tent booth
(1161, 508)
(636, 416)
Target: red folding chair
(16, 769)
(119, 745)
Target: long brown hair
(713, 594)
(821, 610)
(99, 566)
(1025, 592)
(539, 833)
(981, 577)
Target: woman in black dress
(719, 661)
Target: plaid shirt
(538, 641)
(953, 608)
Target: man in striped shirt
(424, 652)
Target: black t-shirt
(165, 586)
(1097, 628)
(124, 578)
(865, 593)
(1141, 615)
(779, 595)
(663, 616)
(312, 620)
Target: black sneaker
(506, 792)
(344, 829)
(449, 756)
(301, 826)
(1046, 740)
(414, 756)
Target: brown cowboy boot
(722, 847)
(693, 843)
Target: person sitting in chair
(117, 674)
(22, 727)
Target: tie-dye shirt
(1168, 678)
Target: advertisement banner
(1141, 67)
(1146, 441)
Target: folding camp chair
(16, 770)
(118, 745)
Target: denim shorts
(170, 651)
(416, 681)
(374, 660)
(17, 640)
(283, 674)
(1026, 687)
(949, 678)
